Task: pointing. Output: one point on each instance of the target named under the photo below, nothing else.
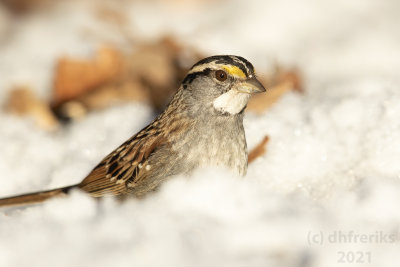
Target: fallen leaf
(159, 67)
(74, 77)
(151, 74)
(104, 97)
(258, 150)
(21, 101)
(21, 7)
(282, 82)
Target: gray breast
(219, 142)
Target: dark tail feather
(34, 198)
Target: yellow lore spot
(235, 71)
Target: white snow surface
(326, 193)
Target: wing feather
(123, 165)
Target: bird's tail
(34, 198)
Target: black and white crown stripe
(215, 62)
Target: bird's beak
(250, 86)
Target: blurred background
(84, 55)
(77, 78)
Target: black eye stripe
(191, 76)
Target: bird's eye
(221, 75)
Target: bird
(201, 126)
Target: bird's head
(224, 83)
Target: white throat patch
(232, 101)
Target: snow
(328, 185)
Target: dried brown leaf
(25, 6)
(75, 77)
(151, 73)
(283, 83)
(105, 96)
(259, 150)
(21, 101)
(159, 67)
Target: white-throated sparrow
(201, 126)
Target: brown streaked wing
(110, 176)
